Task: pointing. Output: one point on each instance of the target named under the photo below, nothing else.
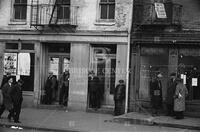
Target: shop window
(153, 61)
(20, 9)
(27, 46)
(189, 71)
(21, 66)
(107, 9)
(12, 46)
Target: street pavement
(79, 121)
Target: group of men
(53, 86)
(12, 97)
(175, 96)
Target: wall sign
(10, 63)
(160, 10)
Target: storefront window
(153, 60)
(20, 66)
(189, 71)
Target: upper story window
(107, 9)
(63, 9)
(20, 9)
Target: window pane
(111, 0)
(104, 11)
(17, 1)
(24, 1)
(66, 12)
(103, 0)
(111, 12)
(60, 12)
(23, 11)
(12, 46)
(17, 12)
(27, 46)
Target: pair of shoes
(17, 122)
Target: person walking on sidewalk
(156, 94)
(171, 86)
(119, 97)
(17, 98)
(179, 99)
(7, 100)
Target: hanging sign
(194, 81)
(10, 63)
(160, 10)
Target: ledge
(17, 23)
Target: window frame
(107, 3)
(62, 6)
(13, 10)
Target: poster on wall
(53, 66)
(160, 10)
(24, 66)
(194, 82)
(10, 63)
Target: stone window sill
(17, 23)
(105, 23)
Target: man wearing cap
(156, 93)
(171, 87)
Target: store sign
(160, 10)
(10, 63)
(24, 64)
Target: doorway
(103, 63)
(58, 64)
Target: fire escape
(54, 14)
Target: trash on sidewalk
(16, 127)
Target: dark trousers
(170, 109)
(17, 110)
(63, 96)
(95, 100)
(48, 96)
(11, 112)
(118, 108)
(179, 115)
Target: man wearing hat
(171, 87)
(17, 98)
(156, 93)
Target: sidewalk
(147, 119)
(74, 121)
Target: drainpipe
(128, 58)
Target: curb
(153, 123)
(37, 128)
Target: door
(58, 64)
(104, 67)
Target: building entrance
(103, 63)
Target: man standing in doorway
(94, 91)
(171, 87)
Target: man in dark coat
(94, 91)
(119, 97)
(17, 98)
(156, 93)
(171, 87)
(64, 88)
(7, 100)
(49, 88)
